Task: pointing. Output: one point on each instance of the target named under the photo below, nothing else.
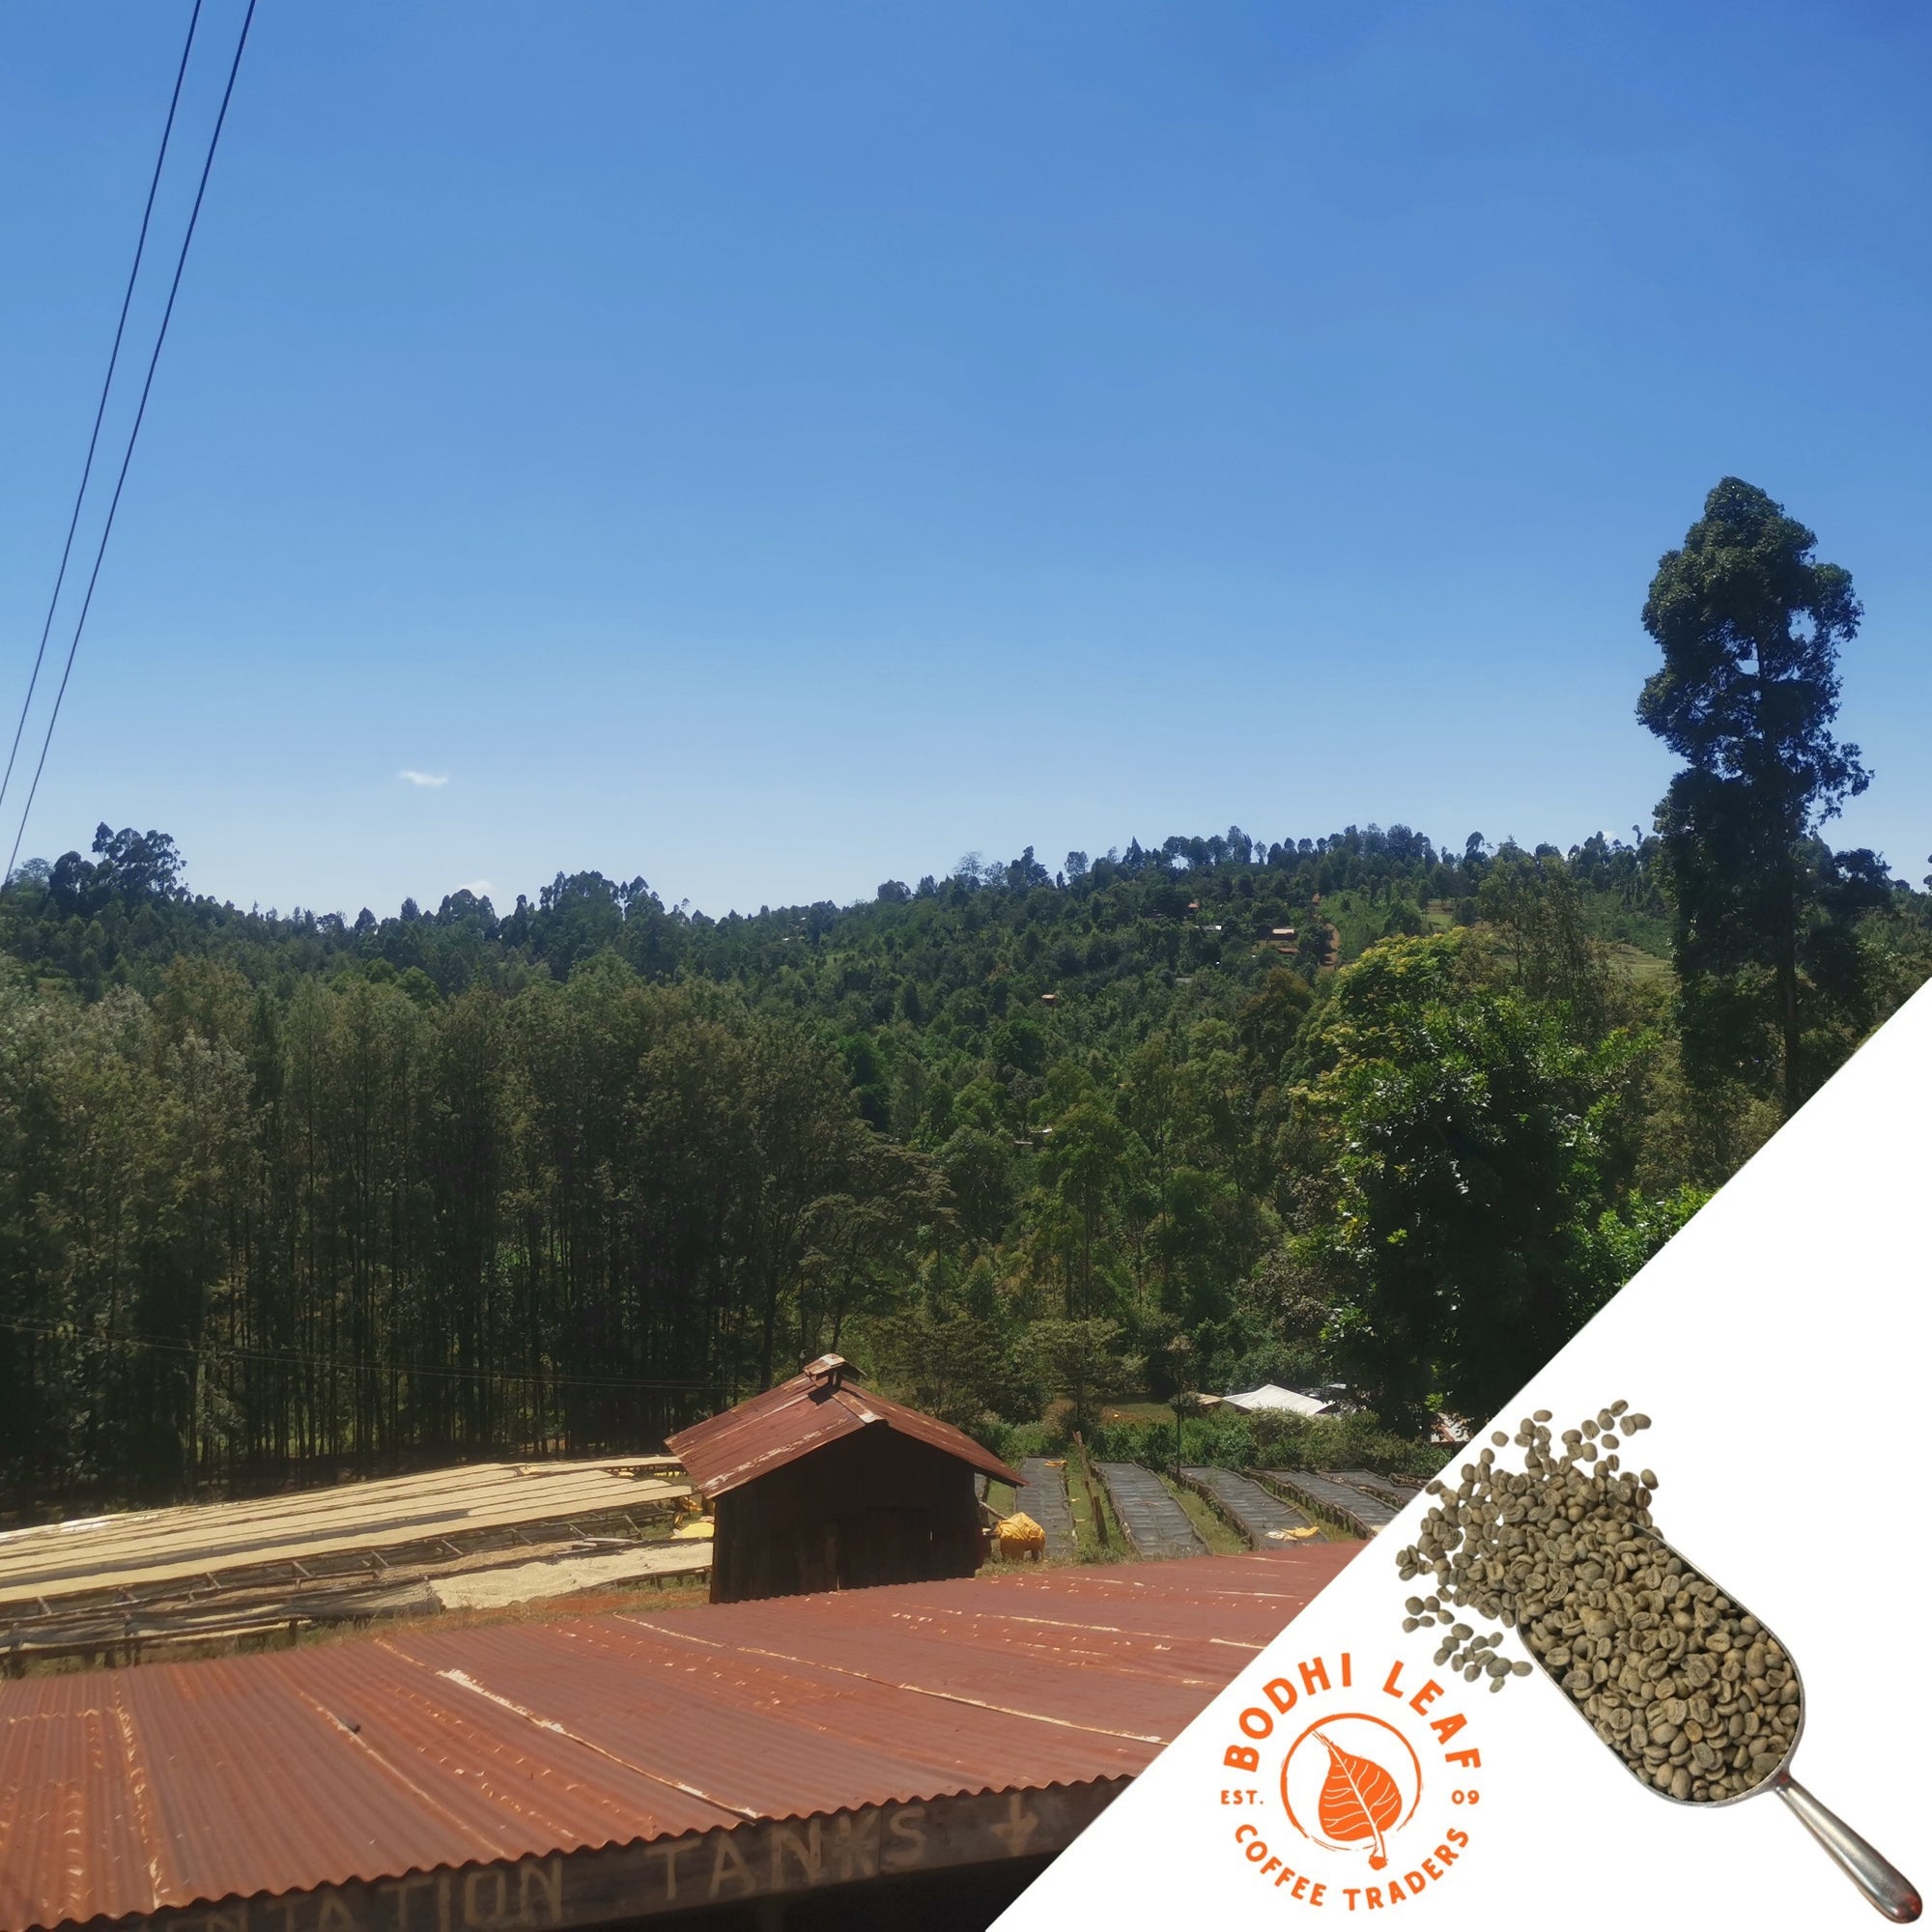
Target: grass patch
(1137, 1410)
(1645, 968)
(1099, 1536)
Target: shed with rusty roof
(819, 1485)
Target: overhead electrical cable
(134, 435)
(100, 407)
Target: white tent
(1272, 1396)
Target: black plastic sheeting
(1045, 1499)
(1154, 1523)
(1250, 1508)
(1368, 1513)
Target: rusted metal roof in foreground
(814, 1408)
(133, 1792)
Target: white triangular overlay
(1779, 1345)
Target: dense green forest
(287, 1187)
(298, 1190)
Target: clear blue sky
(776, 448)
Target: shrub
(1059, 1421)
(1356, 1441)
(1227, 1439)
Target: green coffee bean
(1680, 1681)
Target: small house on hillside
(819, 1485)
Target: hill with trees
(298, 1190)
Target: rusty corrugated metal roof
(765, 1432)
(130, 1791)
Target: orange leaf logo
(1359, 1801)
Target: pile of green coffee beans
(1684, 1684)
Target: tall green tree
(1533, 904)
(1470, 1203)
(1751, 626)
(1083, 1165)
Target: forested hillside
(277, 1192)
(298, 1188)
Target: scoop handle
(1877, 1877)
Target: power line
(134, 434)
(100, 407)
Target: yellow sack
(1019, 1533)
(698, 1529)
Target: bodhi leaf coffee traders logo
(1357, 1792)
(1343, 1797)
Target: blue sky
(773, 449)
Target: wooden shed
(819, 1485)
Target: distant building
(819, 1485)
(1270, 1396)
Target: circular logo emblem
(1362, 1784)
(1350, 1781)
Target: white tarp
(1272, 1396)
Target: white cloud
(428, 779)
(482, 888)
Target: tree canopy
(1750, 627)
(297, 1189)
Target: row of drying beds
(1268, 1506)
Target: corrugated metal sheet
(768, 1431)
(172, 1784)
(870, 1407)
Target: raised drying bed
(1260, 1516)
(1149, 1518)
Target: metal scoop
(1875, 1875)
